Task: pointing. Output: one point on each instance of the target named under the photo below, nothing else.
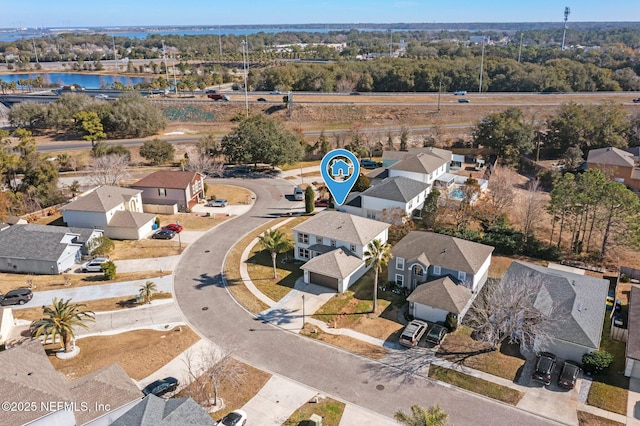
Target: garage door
(324, 281)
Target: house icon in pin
(340, 168)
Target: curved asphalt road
(378, 387)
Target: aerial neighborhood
(287, 230)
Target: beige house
(166, 187)
(622, 165)
(117, 211)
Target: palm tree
(147, 290)
(377, 255)
(275, 241)
(435, 416)
(60, 320)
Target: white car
(218, 202)
(94, 265)
(298, 194)
(234, 418)
(102, 96)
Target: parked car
(94, 265)
(219, 202)
(274, 92)
(160, 387)
(636, 101)
(464, 101)
(102, 96)
(163, 234)
(322, 202)
(234, 418)
(369, 164)
(544, 367)
(460, 92)
(355, 93)
(19, 296)
(569, 375)
(262, 100)
(218, 96)
(436, 334)
(175, 227)
(412, 333)
(298, 194)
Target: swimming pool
(457, 193)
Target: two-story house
(392, 194)
(622, 165)
(117, 211)
(444, 273)
(424, 167)
(333, 244)
(165, 187)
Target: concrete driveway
(202, 296)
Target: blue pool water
(457, 193)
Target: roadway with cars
(207, 305)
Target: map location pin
(340, 170)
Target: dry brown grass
(57, 282)
(352, 345)
(190, 221)
(147, 248)
(328, 408)
(233, 194)
(139, 352)
(99, 305)
(588, 419)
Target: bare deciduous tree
(109, 169)
(501, 189)
(531, 208)
(204, 164)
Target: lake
(88, 81)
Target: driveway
(381, 388)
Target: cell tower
(567, 11)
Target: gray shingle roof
(342, 227)
(38, 242)
(397, 188)
(582, 297)
(103, 199)
(610, 156)
(354, 199)
(173, 179)
(420, 163)
(127, 219)
(633, 344)
(439, 152)
(443, 294)
(154, 411)
(442, 250)
(379, 173)
(338, 263)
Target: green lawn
(329, 409)
(475, 384)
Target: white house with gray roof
(117, 211)
(580, 299)
(155, 411)
(333, 245)
(43, 249)
(396, 193)
(424, 167)
(443, 273)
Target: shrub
(109, 269)
(157, 151)
(625, 278)
(597, 361)
(309, 199)
(451, 322)
(101, 246)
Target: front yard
(328, 408)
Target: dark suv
(569, 375)
(160, 387)
(544, 367)
(19, 296)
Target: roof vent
(443, 251)
(579, 307)
(573, 283)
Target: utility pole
(567, 11)
(481, 66)
(166, 67)
(520, 48)
(244, 65)
(390, 42)
(34, 48)
(115, 54)
(439, 91)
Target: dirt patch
(352, 345)
(191, 221)
(588, 419)
(139, 352)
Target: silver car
(94, 265)
(220, 202)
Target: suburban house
(423, 167)
(29, 377)
(579, 301)
(333, 244)
(171, 188)
(623, 165)
(396, 193)
(389, 158)
(443, 273)
(43, 249)
(117, 211)
(155, 411)
(632, 353)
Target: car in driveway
(94, 265)
(545, 363)
(412, 333)
(219, 202)
(161, 387)
(234, 418)
(369, 164)
(322, 202)
(436, 334)
(175, 227)
(569, 375)
(464, 101)
(163, 234)
(298, 194)
(19, 296)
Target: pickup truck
(217, 96)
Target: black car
(262, 100)
(160, 387)
(19, 296)
(436, 334)
(164, 234)
(569, 375)
(369, 164)
(544, 367)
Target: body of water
(88, 81)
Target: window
(436, 270)
(303, 253)
(318, 240)
(462, 275)
(352, 247)
(303, 238)
(162, 192)
(400, 263)
(418, 271)
(371, 214)
(333, 243)
(399, 280)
